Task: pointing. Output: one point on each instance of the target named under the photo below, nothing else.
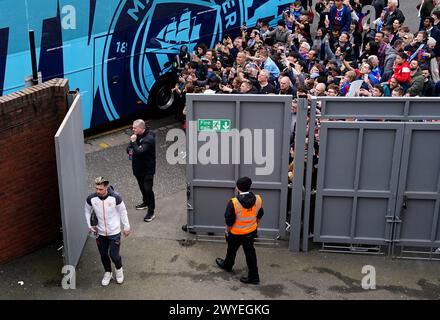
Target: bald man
(286, 87)
(320, 90)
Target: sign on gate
(211, 125)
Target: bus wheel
(161, 97)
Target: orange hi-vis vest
(245, 219)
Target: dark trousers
(109, 249)
(146, 186)
(247, 241)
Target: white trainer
(120, 276)
(106, 280)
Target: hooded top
(402, 73)
(247, 200)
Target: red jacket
(402, 73)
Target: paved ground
(163, 262)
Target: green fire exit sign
(214, 125)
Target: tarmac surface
(162, 262)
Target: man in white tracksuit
(110, 212)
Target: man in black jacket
(393, 14)
(142, 150)
(243, 213)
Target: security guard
(242, 216)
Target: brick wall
(30, 208)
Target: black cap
(244, 184)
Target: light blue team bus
(116, 52)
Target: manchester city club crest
(134, 71)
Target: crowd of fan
(347, 56)
(387, 58)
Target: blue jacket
(346, 18)
(272, 68)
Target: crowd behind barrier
(347, 56)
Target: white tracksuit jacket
(111, 212)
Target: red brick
(29, 119)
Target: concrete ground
(163, 262)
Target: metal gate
(357, 182)
(418, 198)
(211, 183)
(378, 176)
(72, 185)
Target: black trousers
(146, 186)
(109, 249)
(247, 241)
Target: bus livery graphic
(117, 52)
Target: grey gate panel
(354, 203)
(417, 209)
(357, 182)
(212, 184)
(71, 166)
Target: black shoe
(141, 206)
(221, 263)
(149, 217)
(250, 280)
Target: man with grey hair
(433, 61)
(263, 81)
(393, 13)
(319, 90)
(304, 48)
(142, 151)
(285, 86)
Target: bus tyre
(161, 96)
